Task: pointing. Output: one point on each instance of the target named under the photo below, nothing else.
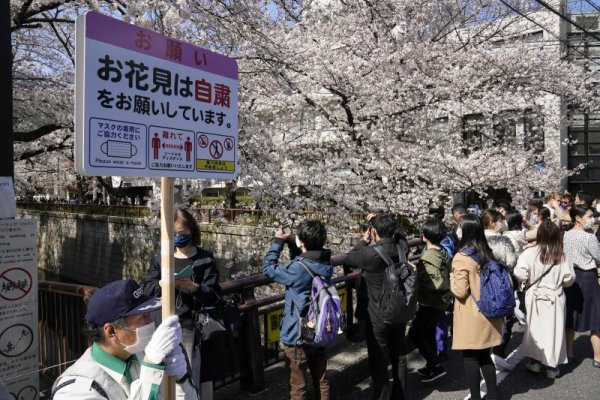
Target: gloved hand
(175, 364)
(164, 340)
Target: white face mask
(598, 207)
(143, 335)
(589, 224)
(298, 243)
(459, 233)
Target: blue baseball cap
(119, 299)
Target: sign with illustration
(150, 105)
(19, 343)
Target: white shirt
(582, 248)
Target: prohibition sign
(216, 149)
(228, 143)
(15, 340)
(203, 141)
(27, 393)
(15, 283)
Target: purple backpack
(325, 317)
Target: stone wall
(94, 250)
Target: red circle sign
(228, 143)
(15, 283)
(216, 149)
(203, 141)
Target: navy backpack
(496, 299)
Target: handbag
(218, 320)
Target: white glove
(175, 364)
(164, 340)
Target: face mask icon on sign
(115, 148)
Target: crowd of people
(549, 248)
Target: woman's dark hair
(474, 238)
(489, 217)
(514, 220)
(550, 243)
(188, 220)
(544, 214)
(586, 197)
(434, 230)
(578, 210)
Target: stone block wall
(95, 250)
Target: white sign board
(149, 105)
(8, 206)
(19, 342)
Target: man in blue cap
(128, 357)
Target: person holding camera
(306, 246)
(385, 343)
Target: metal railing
(129, 211)
(248, 354)
(61, 308)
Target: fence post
(252, 372)
(349, 285)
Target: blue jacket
(298, 283)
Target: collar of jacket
(113, 363)
(320, 256)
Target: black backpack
(398, 299)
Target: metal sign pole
(167, 265)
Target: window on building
(584, 146)
(473, 126)
(583, 47)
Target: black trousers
(385, 346)
(474, 361)
(422, 333)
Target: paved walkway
(349, 375)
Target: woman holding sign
(196, 284)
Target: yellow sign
(342, 294)
(215, 165)
(274, 318)
(273, 323)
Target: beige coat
(544, 338)
(472, 330)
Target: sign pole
(6, 100)
(167, 265)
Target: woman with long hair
(583, 298)
(504, 252)
(473, 334)
(546, 271)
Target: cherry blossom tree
(352, 106)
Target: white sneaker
(500, 363)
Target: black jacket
(205, 274)
(363, 256)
